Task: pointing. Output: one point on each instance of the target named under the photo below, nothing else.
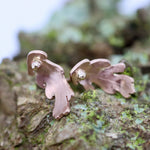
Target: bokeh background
(73, 20)
(28, 16)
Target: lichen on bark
(97, 120)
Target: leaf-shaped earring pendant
(50, 76)
(100, 72)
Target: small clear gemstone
(81, 74)
(35, 64)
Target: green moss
(68, 142)
(118, 95)
(91, 118)
(89, 95)
(91, 115)
(94, 121)
(128, 71)
(122, 101)
(71, 118)
(136, 142)
(92, 138)
(126, 115)
(40, 138)
(104, 121)
(89, 138)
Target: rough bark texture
(97, 120)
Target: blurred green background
(91, 29)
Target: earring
(50, 77)
(100, 72)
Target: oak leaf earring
(50, 76)
(103, 74)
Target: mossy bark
(96, 121)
